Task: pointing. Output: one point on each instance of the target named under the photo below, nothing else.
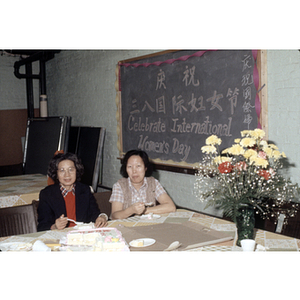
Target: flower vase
(245, 222)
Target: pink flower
(272, 172)
(262, 154)
(241, 166)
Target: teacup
(248, 245)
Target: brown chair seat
(102, 199)
(16, 220)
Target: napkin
(40, 246)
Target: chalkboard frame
(183, 167)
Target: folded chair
(18, 220)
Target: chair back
(16, 220)
(102, 200)
(87, 143)
(43, 137)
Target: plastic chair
(16, 220)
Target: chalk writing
(178, 105)
(146, 125)
(247, 80)
(215, 101)
(163, 147)
(206, 127)
(147, 105)
(246, 62)
(160, 105)
(233, 98)
(189, 76)
(193, 104)
(160, 80)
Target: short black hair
(145, 159)
(54, 162)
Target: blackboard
(170, 102)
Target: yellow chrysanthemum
(225, 151)
(237, 141)
(236, 150)
(283, 154)
(209, 149)
(273, 146)
(247, 142)
(259, 162)
(249, 153)
(268, 151)
(213, 140)
(220, 159)
(245, 133)
(257, 133)
(276, 154)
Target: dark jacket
(52, 205)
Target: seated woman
(137, 192)
(67, 197)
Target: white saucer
(147, 242)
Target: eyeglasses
(64, 171)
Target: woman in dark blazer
(67, 197)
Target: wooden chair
(35, 204)
(102, 199)
(16, 220)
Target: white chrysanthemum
(263, 143)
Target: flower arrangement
(245, 175)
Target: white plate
(147, 242)
(84, 226)
(15, 246)
(148, 217)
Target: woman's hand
(60, 223)
(117, 211)
(138, 208)
(100, 222)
